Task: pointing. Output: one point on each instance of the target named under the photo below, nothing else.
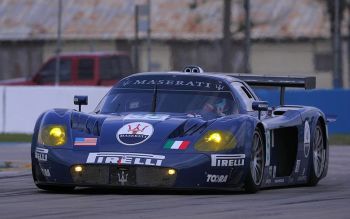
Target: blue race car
(183, 130)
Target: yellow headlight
(214, 137)
(53, 135)
(216, 140)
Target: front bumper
(192, 170)
(113, 175)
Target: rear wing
(277, 81)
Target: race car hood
(151, 133)
(141, 130)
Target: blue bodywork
(287, 159)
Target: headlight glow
(53, 135)
(78, 168)
(216, 140)
(171, 171)
(214, 137)
(56, 132)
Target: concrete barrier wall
(2, 106)
(20, 106)
(24, 104)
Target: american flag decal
(85, 141)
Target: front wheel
(318, 156)
(254, 177)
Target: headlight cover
(53, 135)
(216, 140)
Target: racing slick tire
(318, 156)
(255, 174)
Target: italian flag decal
(176, 145)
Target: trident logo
(122, 178)
(136, 129)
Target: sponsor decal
(278, 181)
(176, 145)
(191, 84)
(85, 141)
(297, 166)
(306, 139)
(216, 178)
(45, 172)
(156, 117)
(134, 133)
(41, 154)
(268, 146)
(122, 177)
(227, 160)
(126, 158)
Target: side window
(115, 67)
(247, 97)
(47, 74)
(86, 69)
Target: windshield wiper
(154, 99)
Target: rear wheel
(318, 156)
(257, 162)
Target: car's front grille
(112, 174)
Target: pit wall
(331, 102)
(20, 106)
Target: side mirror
(80, 100)
(260, 106)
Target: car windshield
(205, 104)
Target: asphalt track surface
(19, 198)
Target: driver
(213, 108)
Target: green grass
(339, 139)
(15, 137)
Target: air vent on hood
(87, 123)
(189, 127)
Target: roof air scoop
(193, 69)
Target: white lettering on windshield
(199, 84)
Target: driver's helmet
(217, 105)
(220, 105)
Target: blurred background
(97, 42)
